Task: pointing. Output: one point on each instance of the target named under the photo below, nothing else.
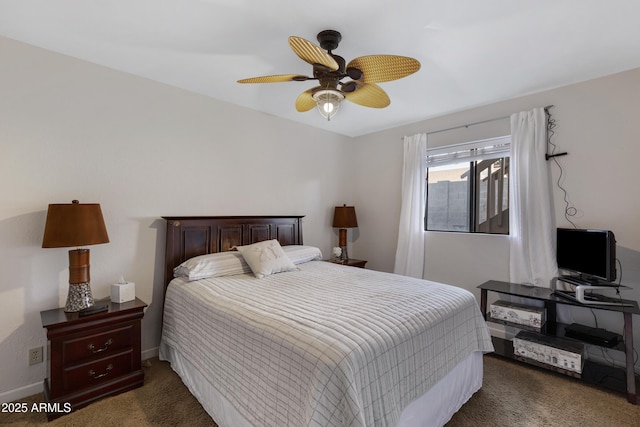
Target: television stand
(579, 295)
(615, 378)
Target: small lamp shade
(75, 225)
(345, 217)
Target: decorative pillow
(212, 265)
(266, 258)
(299, 254)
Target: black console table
(623, 380)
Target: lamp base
(79, 297)
(342, 242)
(344, 256)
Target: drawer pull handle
(100, 350)
(93, 375)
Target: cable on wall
(551, 124)
(569, 210)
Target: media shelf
(618, 379)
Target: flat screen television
(589, 254)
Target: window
(468, 187)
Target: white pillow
(299, 254)
(266, 257)
(212, 265)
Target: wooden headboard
(189, 236)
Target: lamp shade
(74, 224)
(345, 217)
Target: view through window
(468, 188)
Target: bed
(318, 344)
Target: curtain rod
(475, 123)
(467, 125)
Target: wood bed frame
(190, 236)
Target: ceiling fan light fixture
(328, 101)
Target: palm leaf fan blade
(384, 68)
(279, 78)
(369, 95)
(312, 53)
(305, 101)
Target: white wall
(73, 130)
(596, 124)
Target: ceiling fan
(329, 69)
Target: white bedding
(327, 345)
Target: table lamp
(344, 217)
(76, 225)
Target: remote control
(93, 310)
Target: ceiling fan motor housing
(329, 39)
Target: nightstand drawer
(97, 372)
(97, 345)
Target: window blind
(492, 148)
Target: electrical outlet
(35, 355)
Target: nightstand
(351, 262)
(92, 356)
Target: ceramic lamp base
(342, 242)
(344, 256)
(79, 297)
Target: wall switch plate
(35, 355)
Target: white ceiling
(472, 52)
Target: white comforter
(327, 345)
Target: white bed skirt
(437, 406)
(433, 409)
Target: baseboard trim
(21, 392)
(150, 353)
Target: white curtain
(410, 249)
(531, 217)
